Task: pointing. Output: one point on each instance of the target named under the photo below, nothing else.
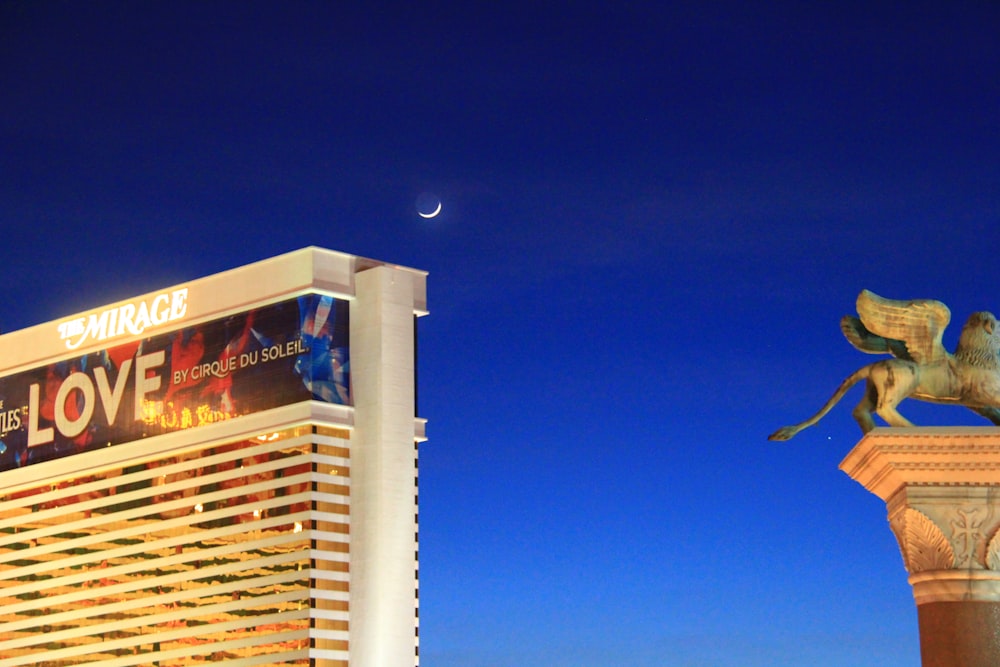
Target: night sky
(653, 217)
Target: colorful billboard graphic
(275, 355)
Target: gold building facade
(263, 512)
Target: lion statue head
(979, 342)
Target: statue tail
(787, 432)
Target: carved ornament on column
(922, 544)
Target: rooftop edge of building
(308, 269)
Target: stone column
(941, 486)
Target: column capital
(888, 459)
(941, 486)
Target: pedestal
(941, 487)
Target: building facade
(224, 471)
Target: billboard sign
(128, 318)
(270, 356)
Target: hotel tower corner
(222, 471)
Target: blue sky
(654, 215)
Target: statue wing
(917, 324)
(864, 340)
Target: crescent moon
(432, 213)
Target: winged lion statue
(921, 367)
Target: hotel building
(223, 471)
